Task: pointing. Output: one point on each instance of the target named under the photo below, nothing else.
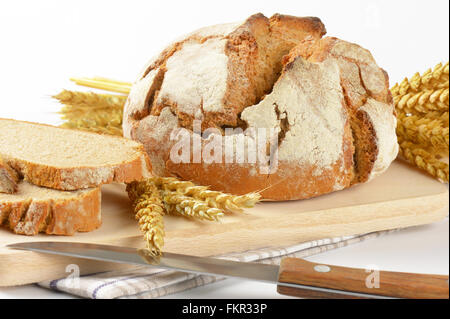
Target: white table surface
(423, 249)
(44, 43)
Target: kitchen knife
(295, 277)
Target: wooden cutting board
(402, 197)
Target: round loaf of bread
(265, 105)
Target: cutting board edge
(59, 263)
(437, 209)
(57, 269)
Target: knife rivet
(322, 268)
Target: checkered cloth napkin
(146, 282)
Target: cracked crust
(75, 170)
(327, 99)
(214, 73)
(32, 210)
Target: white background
(44, 43)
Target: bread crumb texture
(67, 159)
(327, 100)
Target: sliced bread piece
(8, 178)
(33, 209)
(67, 159)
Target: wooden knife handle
(383, 283)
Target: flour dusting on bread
(316, 117)
(200, 65)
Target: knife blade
(293, 277)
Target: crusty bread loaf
(69, 159)
(8, 178)
(327, 99)
(33, 209)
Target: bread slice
(8, 178)
(67, 159)
(33, 209)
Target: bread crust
(291, 182)
(368, 101)
(8, 178)
(347, 139)
(30, 215)
(81, 177)
(237, 42)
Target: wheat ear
(436, 115)
(422, 105)
(430, 80)
(88, 111)
(190, 207)
(92, 126)
(214, 199)
(425, 131)
(422, 158)
(96, 121)
(149, 211)
(424, 101)
(85, 101)
(423, 93)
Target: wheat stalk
(158, 195)
(104, 84)
(106, 80)
(149, 211)
(422, 105)
(214, 199)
